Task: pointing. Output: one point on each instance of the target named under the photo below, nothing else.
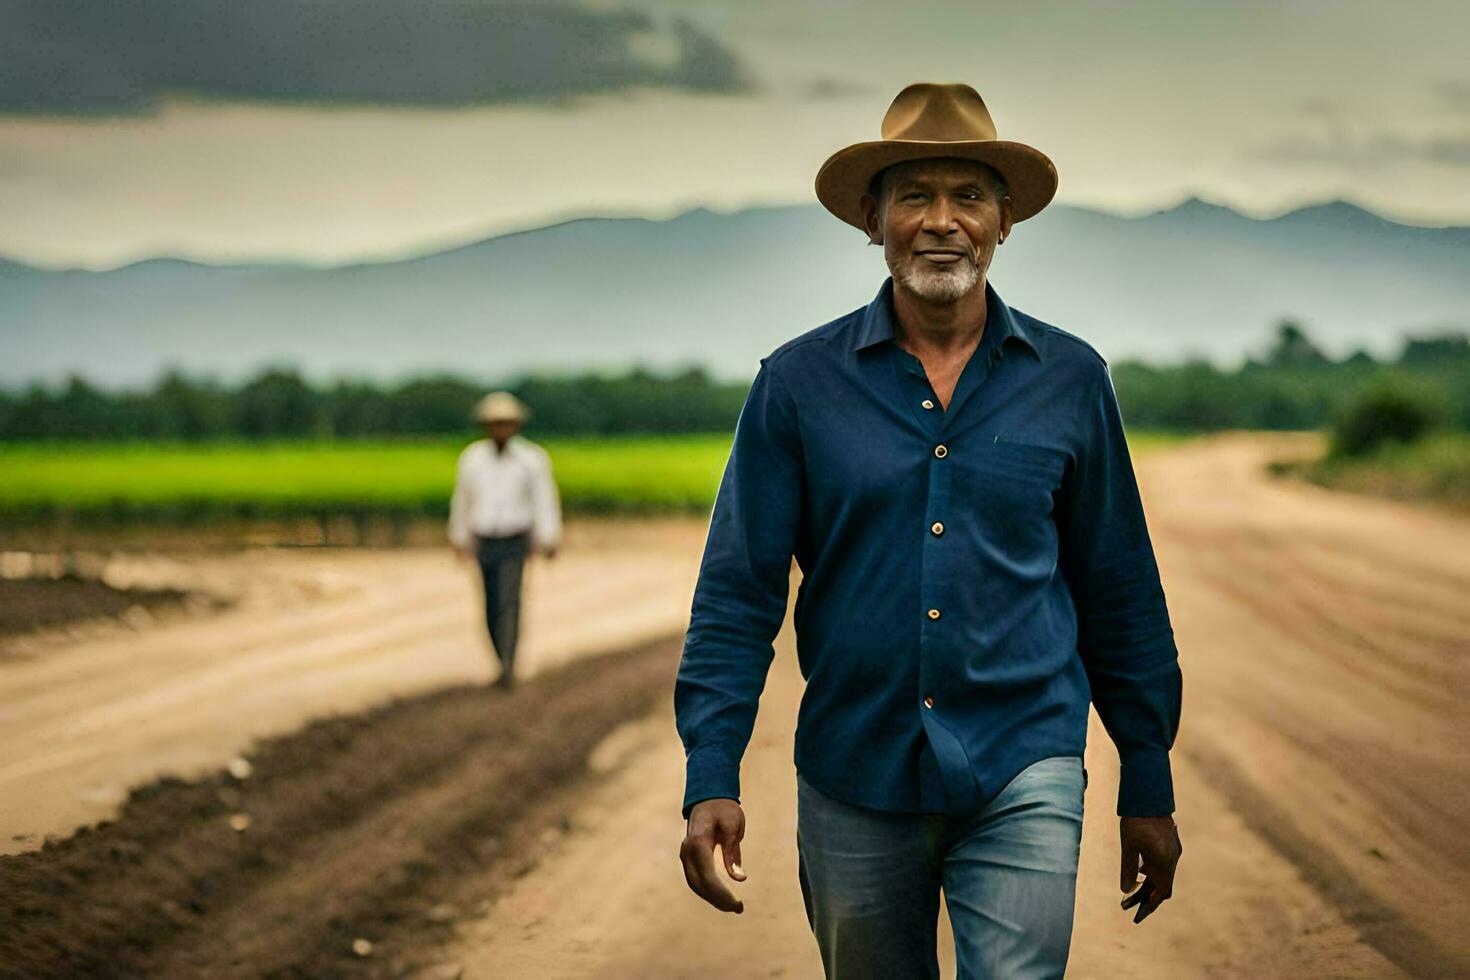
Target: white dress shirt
(499, 493)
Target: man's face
(939, 222)
(502, 429)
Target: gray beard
(938, 285)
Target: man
(505, 506)
(952, 478)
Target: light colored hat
(501, 406)
(932, 120)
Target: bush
(1388, 410)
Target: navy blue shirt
(972, 576)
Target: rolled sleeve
(741, 595)
(1125, 637)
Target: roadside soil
(30, 605)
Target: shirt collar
(512, 446)
(877, 320)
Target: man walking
(505, 506)
(952, 478)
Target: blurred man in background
(505, 506)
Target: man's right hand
(711, 822)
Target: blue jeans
(871, 880)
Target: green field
(1435, 468)
(141, 480)
(182, 482)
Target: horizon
(555, 222)
(1129, 282)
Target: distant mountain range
(723, 290)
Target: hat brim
(843, 179)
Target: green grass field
(182, 482)
(1435, 469)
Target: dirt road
(1321, 767)
(313, 633)
(1321, 771)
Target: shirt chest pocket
(1011, 483)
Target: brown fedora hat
(933, 120)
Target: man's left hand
(1154, 841)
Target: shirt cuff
(1146, 785)
(710, 776)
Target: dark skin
(500, 432)
(935, 214)
(711, 822)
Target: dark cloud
(118, 56)
(1366, 152)
(833, 88)
(1452, 150)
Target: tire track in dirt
(92, 718)
(1271, 587)
(1387, 928)
(358, 828)
(1325, 642)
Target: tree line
(1293, 386)
(280, 403)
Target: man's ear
(1005, 217)
(870, 219)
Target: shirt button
(934, 614)
(927, 403)
(928, 701)
(937, 527)
(940, 451)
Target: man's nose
(939, 216)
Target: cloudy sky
(336, 131)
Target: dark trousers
(502, 561)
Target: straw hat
(933, 120)
(501, 406)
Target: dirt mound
(341, 849)
(29, 604)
